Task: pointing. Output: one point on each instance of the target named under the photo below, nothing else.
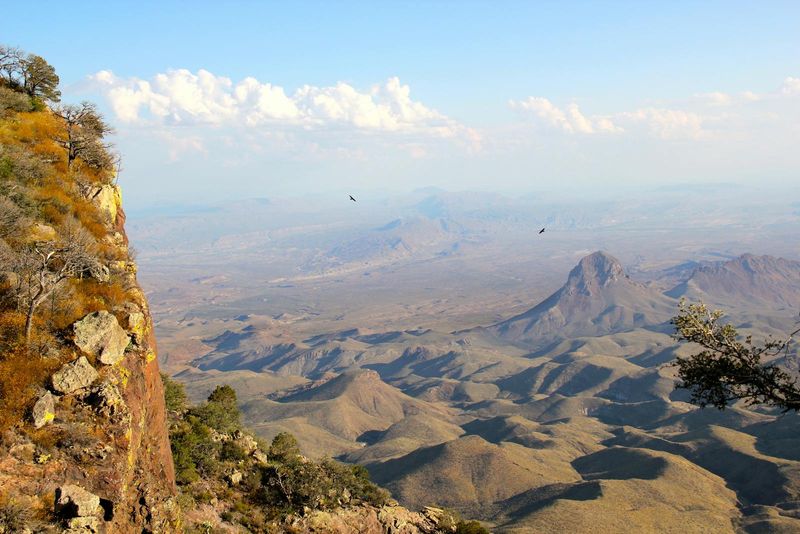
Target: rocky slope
(99, 447)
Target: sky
(224, 100)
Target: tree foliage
(29, 73)
(208, 444)
(174, 395)
(221, 411)
(39, 79)
(82, 135)
(729, 368)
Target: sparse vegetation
(209, 445)
(52, 248)
(729, 368)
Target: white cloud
(571, 120)
(202, 98)
(706, 115)
(791, 86)
(668, 123)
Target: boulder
(245, 442)
(74, 501)
(44, 411)
(136, 325)
(74, 376)
(100, 335)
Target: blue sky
(506, 95)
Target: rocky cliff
(93, 453)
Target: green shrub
(174, 395)
(292, 482)
(284, 448)
(193, 451)
(232, 452)
(470, 527)
(221, 411)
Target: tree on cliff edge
(82, 136)
(44, 265)
(728, 369)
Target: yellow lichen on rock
(108, 200)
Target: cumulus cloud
(704, 116)
(203, 98)
(570, 120)
(791, 86)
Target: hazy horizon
(251, 100)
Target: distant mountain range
(762, 281)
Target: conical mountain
(598, 298)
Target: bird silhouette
(351, 198)
(541, 231)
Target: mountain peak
(595, 271)
(762, 280)
(598, 298)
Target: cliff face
(94, 454)
(147, 491)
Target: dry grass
(21, 374)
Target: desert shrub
(284, 448)
(20, 165)
(174, 395)
(97, 295)
(292, 482)
(23, 371)
(13, 101)
(194, 453)
(47, 438)
(470, 527)
(221, 411)
(14, 516)
(231, 451)
(13, 223)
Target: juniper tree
(39, 79)
(730, 368)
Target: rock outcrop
(369, 520)
(74, 376)
(99, 334)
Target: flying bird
(351, 198)
(541, 231)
